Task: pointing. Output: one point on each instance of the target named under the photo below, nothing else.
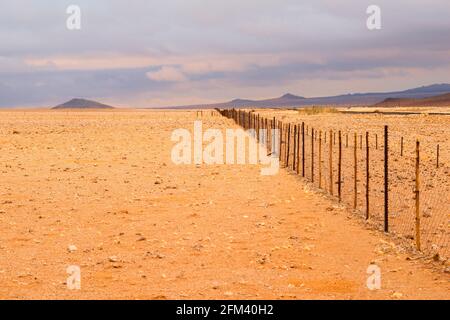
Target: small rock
(113, 259)
(72, 248)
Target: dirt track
(147, 229)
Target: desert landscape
(224, 159)
(98, 189)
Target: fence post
(266, 135)
(401, 147)
(303, 149)
(257, 128)
(340, 167)
(437, 157)
(386, 179)
(312, 155)
(417, 195)
(320, 159)
(355, 186)
(288, 150)
(367, 175)
(331, 162)
(298, 149)
(280, 128)
(295, 147)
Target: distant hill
(442, 100)
(361, 99)
(82, 104)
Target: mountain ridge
(349, 99)
(434, 101)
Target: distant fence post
(367, 175)
(386, 179)
(355, 185)
(340, 167)
(417, 195)
(331, 162)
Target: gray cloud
(203, 45)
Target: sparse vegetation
(317, 109)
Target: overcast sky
(149, 53)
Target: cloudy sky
(149, 53)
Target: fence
(393, 188)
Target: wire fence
(398, 184)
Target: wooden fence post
(367, 175)
(280, 128)
(401, 147)
(331, 163)
(303, 149)
(340, 168)
(320, 159)
(417, 195)
(312, 155)
(355, 185)
(295, 147)
(437, 157)
(298, 148)
(288, 150)
(386, 179)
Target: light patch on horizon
(167, 74)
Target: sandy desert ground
(145, 228)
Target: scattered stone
(72, 248)
(113, 259)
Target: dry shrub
(317, 109)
